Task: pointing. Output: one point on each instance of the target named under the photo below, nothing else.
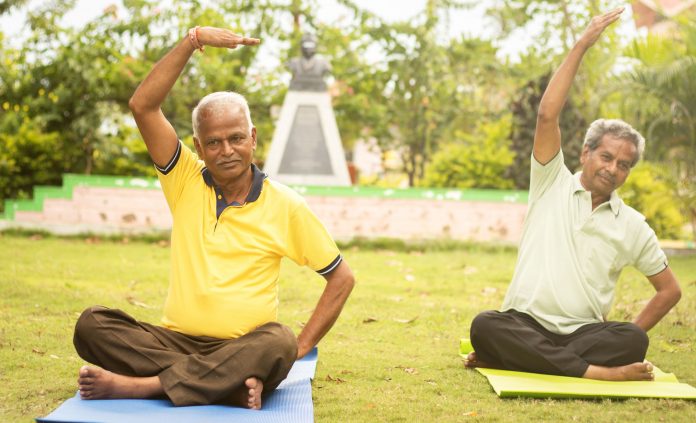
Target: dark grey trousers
(515, 341)
(193, 370)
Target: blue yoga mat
(291, 402)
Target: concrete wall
(101, 210)
(137, 210)
(417, 219)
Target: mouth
(606, 179)
(227, 164)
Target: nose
(227, 148)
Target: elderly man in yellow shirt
(219, 341)
(577, 238)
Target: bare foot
(255, 389)
(249, 395)
(634, 371)
(471, 361)
(97, 383)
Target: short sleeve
(649, 258)
(542, 176)
(183, 167)
(309, 243)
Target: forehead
(223, 117)
(618, 147)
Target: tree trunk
(89, 156)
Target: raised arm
(146, 102)
(339, 284)
(547, 138)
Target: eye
(212, 142)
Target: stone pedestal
(306, 147)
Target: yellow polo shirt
(225, 258)
(571, 256)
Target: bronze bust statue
(309, 70)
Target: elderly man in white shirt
(578, 236)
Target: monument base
(306, 147)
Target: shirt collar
(256, 183)
(614, 200)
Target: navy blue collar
(254, 192)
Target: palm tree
(660, 97)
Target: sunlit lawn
(392, 356)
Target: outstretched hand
(220, 37)
(597, 25)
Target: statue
(306, 148)
(309, 70)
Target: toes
(254, 389)
(252, 403)
(85, 381)
(85, 388)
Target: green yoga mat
(507, 383)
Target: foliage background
(454, 109)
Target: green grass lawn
(392, 356)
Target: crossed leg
(515, 341)
(139, 360)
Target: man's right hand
(597, 25)
(220, 37)
(547, 137)
(158, 134)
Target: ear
(199, 149)
(253, 138)
(585, 153)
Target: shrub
(650, 190)
(476, 160)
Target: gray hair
(214, 103)
(616, 128)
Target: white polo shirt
(571, 256)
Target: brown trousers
(193, 370)
(515, 341)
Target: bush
(650, 190)
(28, 157)
(476, 160)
